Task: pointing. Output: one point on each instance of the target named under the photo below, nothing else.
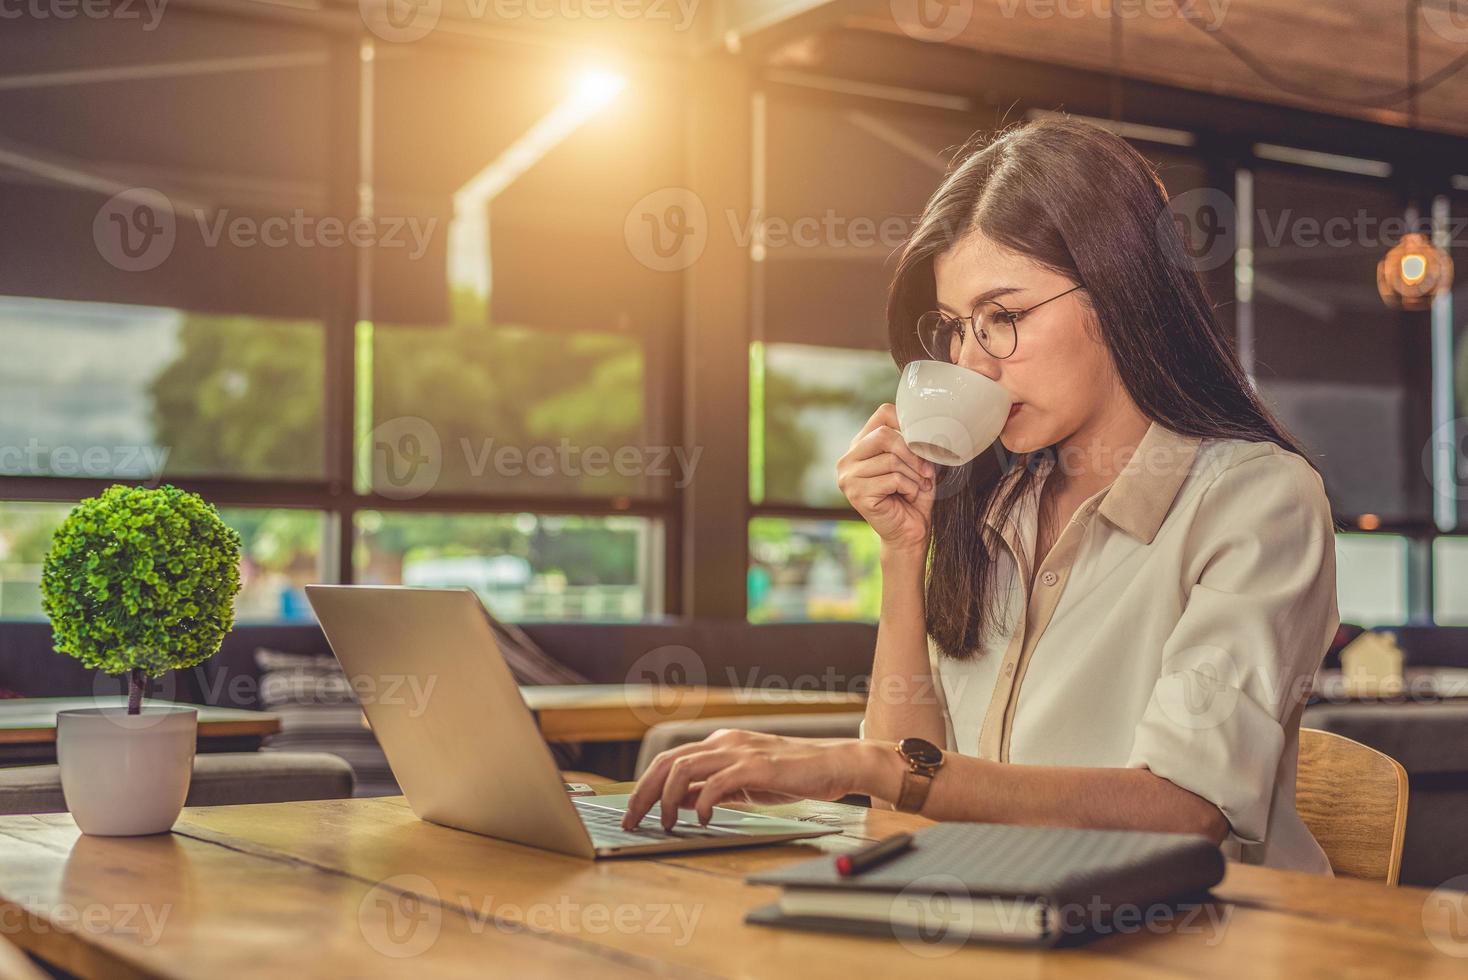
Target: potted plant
(138, 582)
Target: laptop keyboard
(605, 827)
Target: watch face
(921, 751)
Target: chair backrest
(15, 965)
(1354, 800)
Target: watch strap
(915, 787)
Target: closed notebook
(963, 882)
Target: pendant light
(1415, 270)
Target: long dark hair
(1078, 200)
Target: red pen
(872, 855)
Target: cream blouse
(1176, 624)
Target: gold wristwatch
(923, 760)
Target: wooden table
(28, 726)
(362, 888)
(624, 712)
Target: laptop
(465, 748)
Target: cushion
(220, 779)
(319, 713)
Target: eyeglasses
(992, 325)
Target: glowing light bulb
(1413, 272)
(1414, 267)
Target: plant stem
(136, 683)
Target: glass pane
(1371, 579)
(1349, 376)
(827, 230)
(1450, 581)
(524, 566)
(181, 162)
(1458, 304)
(137, 393)
(25, 537)
(813, 569)
(280, 552)
(524, 356)
(512, 410)
(807, 404)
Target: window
(517, 410)
(806, 405)
(1458, 330)
(118, 392)
(1450, 581)
(280, 553)
(527, 341)
(25, 537)
(1371, 579)
(523, 566)
(174, 306)
(820, 365)
(1350, 377)
(813, 569)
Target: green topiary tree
(141, 582)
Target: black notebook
(979, 882)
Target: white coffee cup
(948, 413)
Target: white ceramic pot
(124, 775)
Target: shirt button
(1049, 578)
(1009, 670)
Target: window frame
(1224, 155)
(350, 58)
(697, 532)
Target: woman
(1117, 629)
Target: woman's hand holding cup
(889, 485)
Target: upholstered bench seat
(219, 779)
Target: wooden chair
(1354, 800)
(15, 965)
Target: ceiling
(1345, 57)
